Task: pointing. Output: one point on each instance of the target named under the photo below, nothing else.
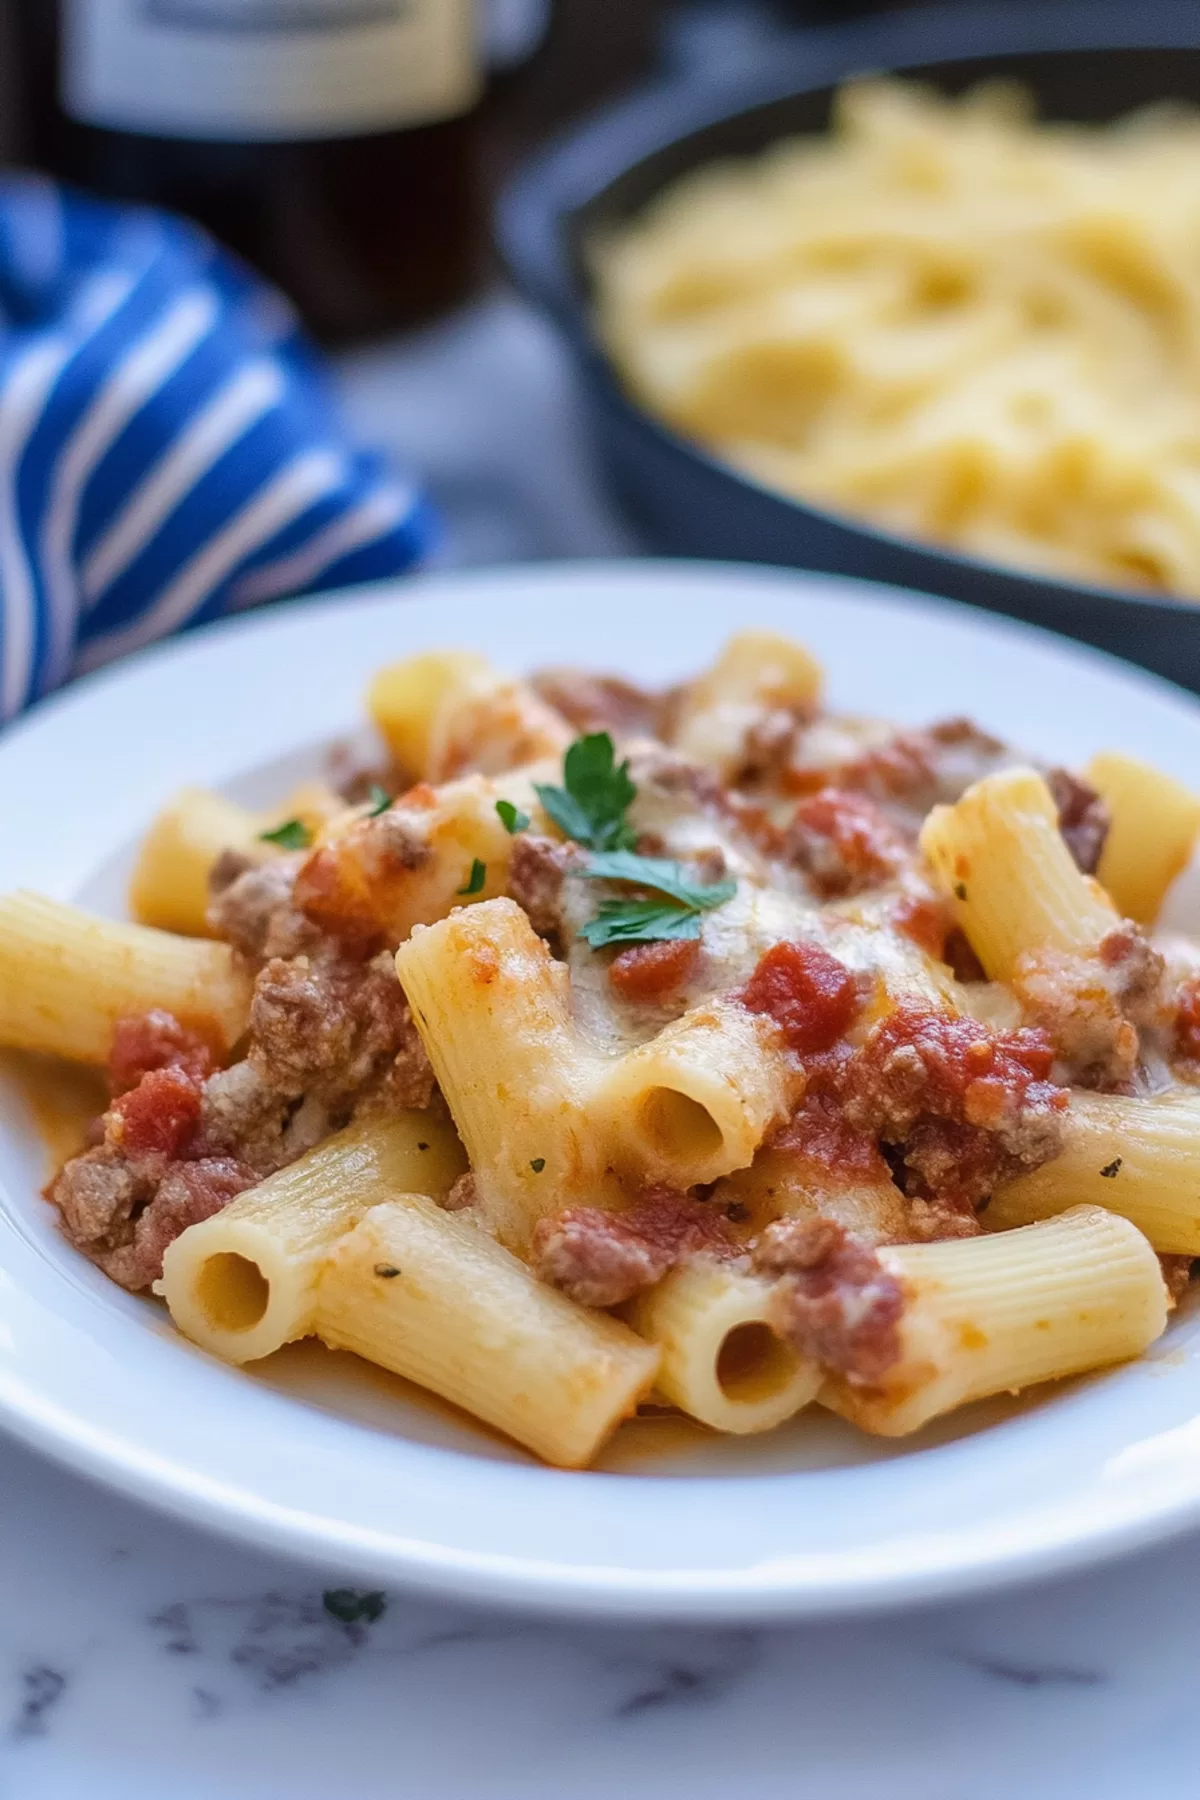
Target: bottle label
(268, 69)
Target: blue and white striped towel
(168, 450)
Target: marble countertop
(141, 1660)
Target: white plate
(320, 1456)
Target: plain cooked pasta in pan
(602, 1047)
(946, 318)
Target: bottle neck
(266, 70)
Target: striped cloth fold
(168, 449)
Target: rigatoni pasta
(1136, 1157)
(998, 1314)
(426, 1294)
(697, 1100)
(999, 856)
(244, 1282)
(1154, 821)
(169, 884)
(785, 1058)
(493, 1010)
(67, 977)
(723, 1361)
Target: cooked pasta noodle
(945, 318)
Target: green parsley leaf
(512, 818)
(639, 922)
(591, 805)
(351, 1606)
(293, 834)
(960, 890)
(538, 1164)
(674, 913)
(379, 800)
(663, 875)
(476, 878)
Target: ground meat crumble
(600, 702)
(833, 1299)
(536, 872)
(601, 1258)
(331, 1038)
(964, 1106)
(1093, 1008)
(843, 843)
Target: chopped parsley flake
(351, 1606)
(293, 834)
(475, 879)
(960, 890)
(538, 1164)
(1110, 1169)
(386, 1271)
(378, 800)
(511, 817)
(591, 805)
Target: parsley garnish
(350, 1606)
(674, 912)
(591, 806)
(475, 879)
(293, 834)
(378, 800)
(662, 874)
(538, 1164)
(1109, 1170)
(512, 818)
(960, 890)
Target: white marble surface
(140, 1660)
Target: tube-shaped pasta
(410, 865)
(1139, 1158)
(446, 711)
(67, 976)
(756, 671)
(169, 884)
(999, 856)
(244, 1282)
(783, 1183)
(492, 1009)
(1153, 822)
(722, 1361)
(695, 1102)
(989, 1315)
(429, 1295)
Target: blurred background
(376, 228)
(381, 232)
(358, 153)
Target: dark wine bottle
(588, 54)
(331, 142)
